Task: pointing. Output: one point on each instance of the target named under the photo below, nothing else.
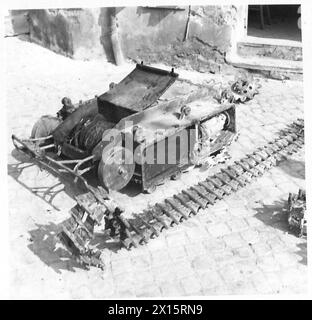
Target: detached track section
(182, 206)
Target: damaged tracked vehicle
(128, 134)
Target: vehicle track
(172, 211)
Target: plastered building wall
(195, 37)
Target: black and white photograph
(155, 150)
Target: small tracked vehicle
(147, 128)
(147, 112)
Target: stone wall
(195, 37)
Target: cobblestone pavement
(241, 245)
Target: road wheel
(44, 127)
(116, 168)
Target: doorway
(274, 21)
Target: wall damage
(208, 38)
(194, 37)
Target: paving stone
(148, 291)
(237, 224)
(234, 201)
(292, 241)
(218, 229)
(176, 237)
(171, 289)
(143, 278)
(163, 274)
(124, 281)
(224, 257)
(221, 205)
(266, 234)
(293, 166)
(276, 244)
(244, 252)
(125, 294)
(240, 212)
(121, 266)
(160, 258)
(106, 288)
(241, 287)
(210, 279)
(210, 253)
(261, 248)
(241, 193)
(191, 286)
(251, 236)
(81, 292)
(214, 245)
(177, 252)
(230, 273)
(220, 215)
(182, 267)
(247, 267)
(274, 281)
(141, 262)
(158, 244)
(268, 263)
(298, 182)
(203, 263)
(266, 180)
(298, 288)
(267, 201)
(211, 217)
(261, 283)
(195, 249)
(292, 276)
(199, 234)
(205, 218)
(286, 259)
(47, 255)
(234, 240)
(285, 188)
(275, 192)
(218, 290)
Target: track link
(174, 210)
(187, 203)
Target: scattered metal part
(242, 89)
(173, 211)
(79, 138)
(297, 214)
(184, 112)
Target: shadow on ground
(46, 245)
(44, 241)
(275, 215)
(293, 168)
(47, 194)
(43, 244)
(43, 237)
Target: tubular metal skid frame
(57, 166)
